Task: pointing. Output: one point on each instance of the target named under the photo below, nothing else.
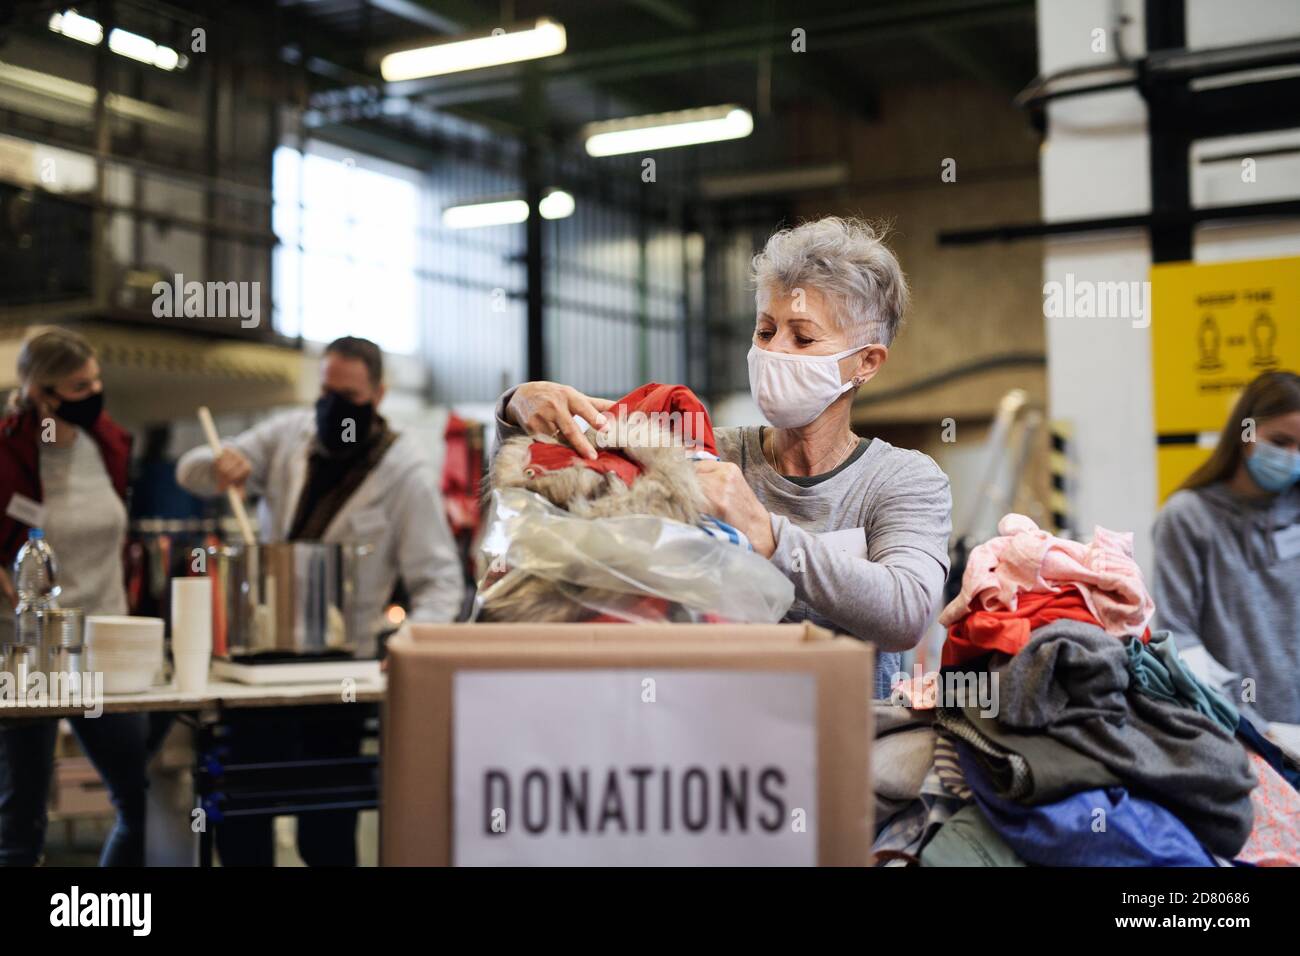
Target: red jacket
(20, 468)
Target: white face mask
(792, 390)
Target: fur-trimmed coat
(665, 485)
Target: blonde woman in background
(64, 465)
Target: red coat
(20, 468)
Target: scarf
(331, 480)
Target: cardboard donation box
(611, 744)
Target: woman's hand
(733, 501)
(547, 408)
(7, 587)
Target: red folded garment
(547, 456)
(980, 631)
(674, 408)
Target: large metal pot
(291, 599)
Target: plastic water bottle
(36, 573)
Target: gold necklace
(770, 453)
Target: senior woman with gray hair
(860, 527)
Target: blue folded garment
(1100, 827)
(1271, 752)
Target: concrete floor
(79, 844)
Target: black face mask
(83, 412)
(342, 425)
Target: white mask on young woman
(792, 390)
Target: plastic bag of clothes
(538, 562)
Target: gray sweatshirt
(866, 549)
(1220, 581)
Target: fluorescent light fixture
(122, 42)
(165, 58)
(72, 24)
(643, 134)
(128, 44)
(544, 38)
(556, 204)
(472, 216)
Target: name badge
(850, 541)
(1287, 542)
(370, 522)
(31, 513)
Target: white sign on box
(634, 768)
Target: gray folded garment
(888, 718)
(901, 756)
(1007, 770)
(1028, 768)
(1071, 681)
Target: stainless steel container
(20, 661)
(291, 599)
(63, 640)
(59, 649)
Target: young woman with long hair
(1227, 567)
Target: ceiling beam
(995, 73)
(420, 14)
(673, 12)
(822, 77)
(747, 43)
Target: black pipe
(1012, 232)
(986, 364)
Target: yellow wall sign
(1214, 328)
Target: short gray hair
(847, 261)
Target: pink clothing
(1025, 558)
(1275, 837)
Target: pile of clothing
(625, 536)
(1061, 732)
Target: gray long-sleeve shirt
(866, 549)
(396, 508)
(1220, 580)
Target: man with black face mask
(339, 473)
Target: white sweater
(85, 526)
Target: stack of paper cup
(191, 633)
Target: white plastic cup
(191, 633)
(190, 672)
(191, 616)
